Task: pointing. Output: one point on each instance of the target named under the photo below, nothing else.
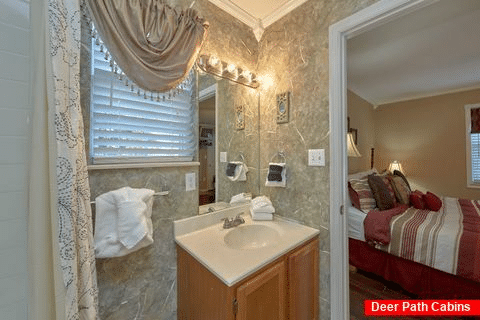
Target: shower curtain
(60, 244)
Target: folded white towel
(123, 222)
(261, 215)
(241, 197)
(262, 204)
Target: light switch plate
(316, 157)
(223, 157)
(190, 183)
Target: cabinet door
(303, 283)
(263, 297)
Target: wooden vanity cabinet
(285, 289)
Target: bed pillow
(353, 197)
(361, 175)
(387, 180)
(400, 174)
(380, 191)
(401, 188)
(365, 195)
(416, 200)
(432, 202)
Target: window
(472, 124)
(130, 125)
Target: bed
(432, 254)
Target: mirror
(218, 102)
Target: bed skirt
(421, 280)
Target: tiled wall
(15, 110)
(294, 53)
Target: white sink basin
(251, 237)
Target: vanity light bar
(219, 68)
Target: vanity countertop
(204, 238)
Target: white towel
(261, 208)
(123, 221)
(241, 197)
(240, 173)
(274, 179)
(261, 216)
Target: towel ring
(281, 154)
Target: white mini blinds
(472, 125)
(130, 125)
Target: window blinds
(128, 124)
(475, 156)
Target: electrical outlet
(223, 157)
(190, 184)
(316, 157)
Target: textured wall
(142, 285)
(427, 136)
(294, 54)
(361, 118)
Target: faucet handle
(227, 222)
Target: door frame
(209, 92)
(364, 20)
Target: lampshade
(352, 149)
(395, 165)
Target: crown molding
(256, 24)
(234, 10)
(281, 11)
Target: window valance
(153, 44)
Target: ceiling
(434, 50)
(431, 51)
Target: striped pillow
(365, 195)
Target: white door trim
(364, 20)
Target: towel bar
(161, 193)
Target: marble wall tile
(293, 52)
(142, 285)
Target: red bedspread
(447, 240)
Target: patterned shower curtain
(74, 232)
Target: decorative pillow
(402, 191)
(432, 202)
(353, 197)
(365, 195)
(380, 191)
(416, 199)
(387, 180)
(400, 174)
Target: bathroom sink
(249, 237)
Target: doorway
(367, 19)
(207, 145)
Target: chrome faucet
(232, 222)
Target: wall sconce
(351, 147)
(395, 165)
(219, 68)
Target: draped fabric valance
(153, 44)
(475, 120)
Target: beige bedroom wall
(427, 136)
(361, 112)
